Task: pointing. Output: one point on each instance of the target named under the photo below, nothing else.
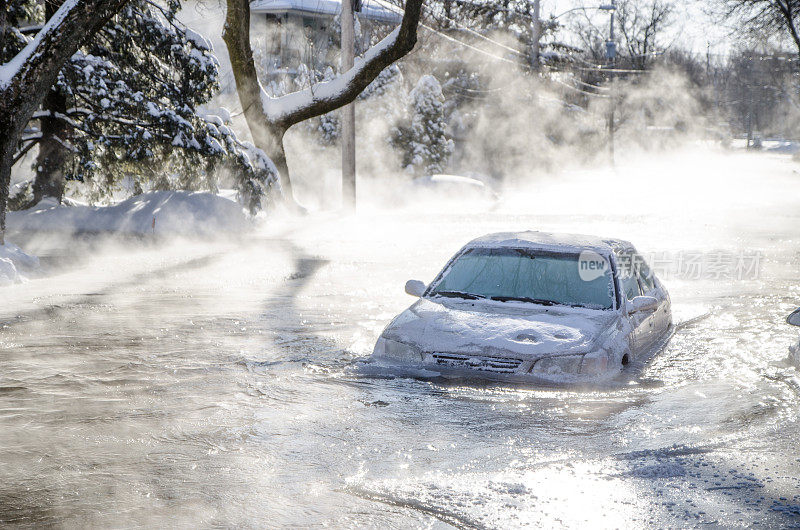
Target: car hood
(483, 327)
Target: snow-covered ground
(771, 145)
(155, 212)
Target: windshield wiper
(539, 301)
(525, 253)
(458, 294)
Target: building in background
(306, 32)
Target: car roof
(449, 179)
(549, 241)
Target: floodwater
(221, 383)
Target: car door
(630, 287)
(650, 320)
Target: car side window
(645, 274)
(630, 286)
(627, 275)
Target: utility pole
(611, 61)
(537, 34)
(348, 111)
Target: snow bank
(156, 212)
(15, 265)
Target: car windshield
(527, 275)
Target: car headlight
(594, 363)
(397, 351)
(564, 364)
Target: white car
(532, 306)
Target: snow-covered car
(532, 306)
(454, 187)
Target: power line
(613, 70)
(601, 96)
(522, 65)
(505, 60)
(480, 35)
(596, 87)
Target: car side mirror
(415, 288)
(794, 318)
(642, 303)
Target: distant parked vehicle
(455, 187)
(532, 306)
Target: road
(222, 383)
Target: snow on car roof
(456, 179)
(548, 241)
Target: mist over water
(222, 383)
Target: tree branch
(285, 111)
(21, 152)
(35, 67)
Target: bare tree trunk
(8, 145)
(348, 112)
(266, 136)
(53, 154)
(269, 118)
(23, 92)
(52, 158)
(3, 22)
(537, 35)
(277, 153)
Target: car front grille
(503, 365)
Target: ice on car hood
(498, 328)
